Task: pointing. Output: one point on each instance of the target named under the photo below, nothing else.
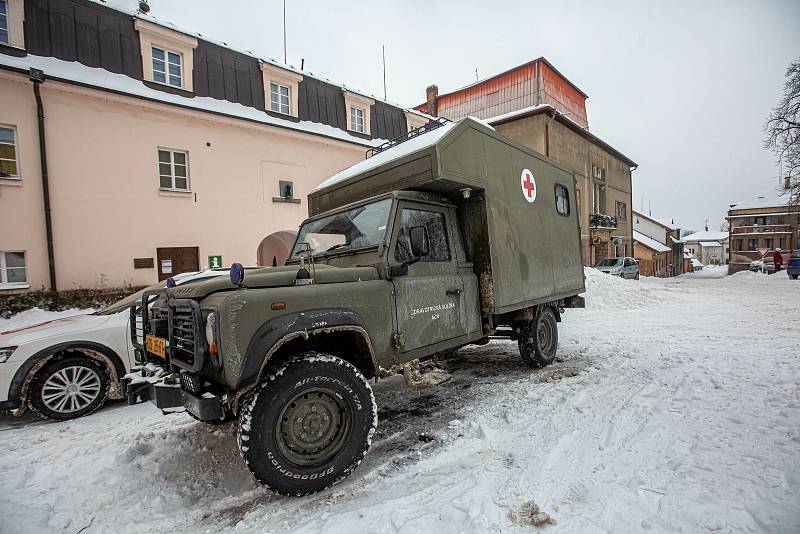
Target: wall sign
(214, 262)
(166, 266)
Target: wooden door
(176, 260)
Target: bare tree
(783, 130)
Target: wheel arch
(18, 389)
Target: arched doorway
(275, 248)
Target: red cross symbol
(529, 186)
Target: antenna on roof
(144, 9)
(284, 32)
(476, 74)
(383, 52)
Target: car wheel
(69, 387)
(308, 424)
(636, 276)
(538, 339)
(794, 276)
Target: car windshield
(361, 227)
(609, 262)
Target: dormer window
(279, 98)
(358, 112)
(167, 55)
(4, 23)
(357, 119)
(11, 23)
(281, 88)
(167, 67)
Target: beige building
(164, 152)
(537, 106)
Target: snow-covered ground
(674, 406)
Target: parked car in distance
(767, 265)
(624, 267)
(793, 267)
(67, 368)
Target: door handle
(455, 292)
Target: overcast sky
(682, 88)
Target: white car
(67, 368)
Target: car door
(428, 298)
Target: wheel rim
(313, 427)
(544, 334)
(71, 389)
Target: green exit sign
(214, 262)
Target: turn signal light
(213, 349)
(277, 306)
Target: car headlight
(6, 353)
(211, 328)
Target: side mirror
(419, 241)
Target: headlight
(211, 328)
(6, 353)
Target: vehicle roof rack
(415, 132)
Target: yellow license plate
(156, 345)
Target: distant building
(166, 151)
(708, 246)
(765, 222)
(652, 256)
(537, 106)
(667, 234)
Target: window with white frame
(357, 119)
(12, 269)
(167, 67)
(9, 167)
(4, 39)
(173, 169)
(279, 98)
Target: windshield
(361, 227)
(610, 262)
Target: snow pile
(607, 292)
(36, 316)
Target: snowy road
(674, 406)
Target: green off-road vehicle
(441, 239)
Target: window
(739, 245)
(8, 153)
(622, 211)
(562, 200)
(752, 245)
(4, 23)
(12, 269)
(357, 119)
(433, 221)
(759, 220)
(167, 67)
(279, 98)
(173, 170)
(782, 243)
(768, 243)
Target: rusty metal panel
(507, 92)
(559, 93)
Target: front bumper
(165, 396)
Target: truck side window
(562, 200)
(438, 245)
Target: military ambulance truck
(435, 242)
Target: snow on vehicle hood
(69, 325)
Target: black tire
(44, 397)
(636, 276)
(794, 276)
(312, 396)
(538, 339)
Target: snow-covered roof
(710, 244)
(420, 142)
(649, 242)
(775, 198)
(130, 7)
(102, 79)
(666, 223)
(706, 235)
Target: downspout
(37, 77)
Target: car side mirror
(419, 241)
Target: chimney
(706, 227)
(787, 181)
(432, 93)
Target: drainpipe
(37, 77)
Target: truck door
(427, 299)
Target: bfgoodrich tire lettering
(333, 418)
